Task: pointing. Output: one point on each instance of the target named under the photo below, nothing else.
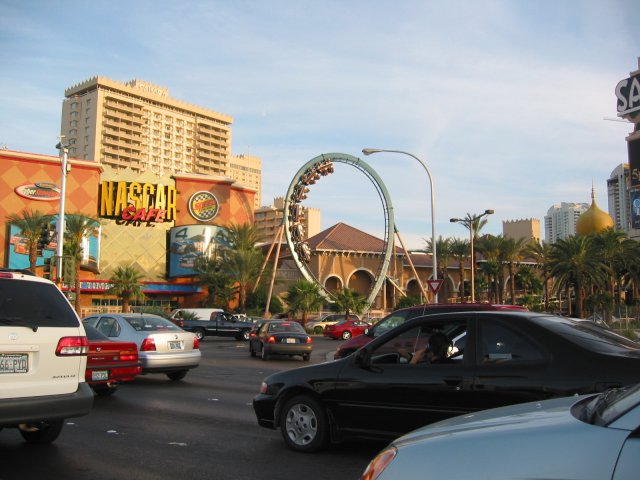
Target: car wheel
(245, 335)
(306, 357)
(179, 375)
(251, 350)
(318, 330)
(199, 333)
(264, 354)
(41, 432)
(346, 335)
(105, 389)
(304, 424)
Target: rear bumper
(14, 411)
(288, 349)
(167, 362)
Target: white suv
(43, 357)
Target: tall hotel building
(136, 125)
(618, 192)
(560, 220)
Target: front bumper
(264, 408)
(14, 411)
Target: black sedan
(280, 337)
(494, 359)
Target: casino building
(156, 172)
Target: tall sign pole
(64, 150)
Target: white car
(589, 437)
(43, 358)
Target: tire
(104, 390)
(306, 357)
(199, 333)
(263, 353)
(318, 330)
(42, 432)
(251, 350)
(179, 375)
(244, 335)
(304, 425)
(346, 335)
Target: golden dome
(594, 220)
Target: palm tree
(242, 237)
(242, 267)
(125, 283)
(511, 251)
(461, 251)
(575, 265)
(349, 301)
(77, 228)
(541, 252)
(220, 290)
(31, 223)
(489, 246)
(304, 296)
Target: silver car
(581, 437)
(163, 347)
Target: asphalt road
(202, 427)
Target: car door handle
(453, 381)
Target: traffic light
(47, 268)
(45, 238)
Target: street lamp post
(471, 221)
(370, 151)
(64, 150)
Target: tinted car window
(590, 336)
(500, 344)
(285, 327)
(392, 321)
(50, 309)
(147, 324)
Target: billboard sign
(628, 95)
(188, 243)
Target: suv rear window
(34, 304)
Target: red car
(345, 329)
(109, 363)
(400, 316)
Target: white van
(201, 313)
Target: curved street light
(370, 151)
(469, 222)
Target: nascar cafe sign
(138, 202)
(628, 95)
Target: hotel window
(74, 105)
(73, 123)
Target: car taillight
(196, 343)
(70, 346)
(309, 340)
(271, 339)
(129, 356)
(148, 345)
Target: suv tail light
(148, 345)
(271, 339)
(72, 346)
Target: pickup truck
(221, 324)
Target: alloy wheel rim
(301, 424)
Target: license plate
(100, 375)
(289, 340)
(176, 345)
(14, 363)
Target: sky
(509, 104)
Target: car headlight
(379, 463)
